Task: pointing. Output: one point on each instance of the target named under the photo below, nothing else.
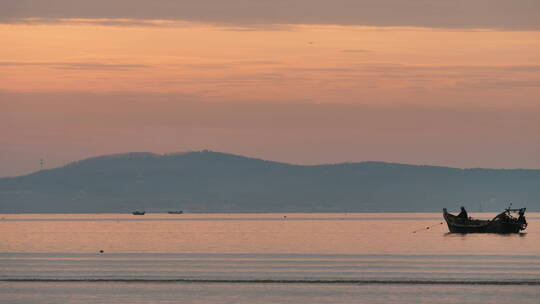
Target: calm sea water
(262, 258)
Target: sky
(453, 83)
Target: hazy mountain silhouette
(217, 182)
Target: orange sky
(293, 63)
(75, 88)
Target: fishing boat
(138, 212)
(175, 212)
(504, 222)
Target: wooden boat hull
(461, 225)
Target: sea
(263, 258)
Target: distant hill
(217, 182)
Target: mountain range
(207, 181)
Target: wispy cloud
(321, 69)
(122, 22)
(396, 67)
(257, 62)
(452, 77)
(499, 84)
(246, 15)
(203, 66)
(75, 65)
(403, 68)
(227, 65)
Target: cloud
(121, 22)
(397, 68)
(75, 65)
(321, 69)
(204, 66)
(499, 84)
(241, 14)
(403, 68)
(257, 62)
(445, 77)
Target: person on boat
(463, 214)
(503, 216)
(521, 218)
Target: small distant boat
(175, 212)
(504, 222)
(138, 212)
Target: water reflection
(351, 233)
